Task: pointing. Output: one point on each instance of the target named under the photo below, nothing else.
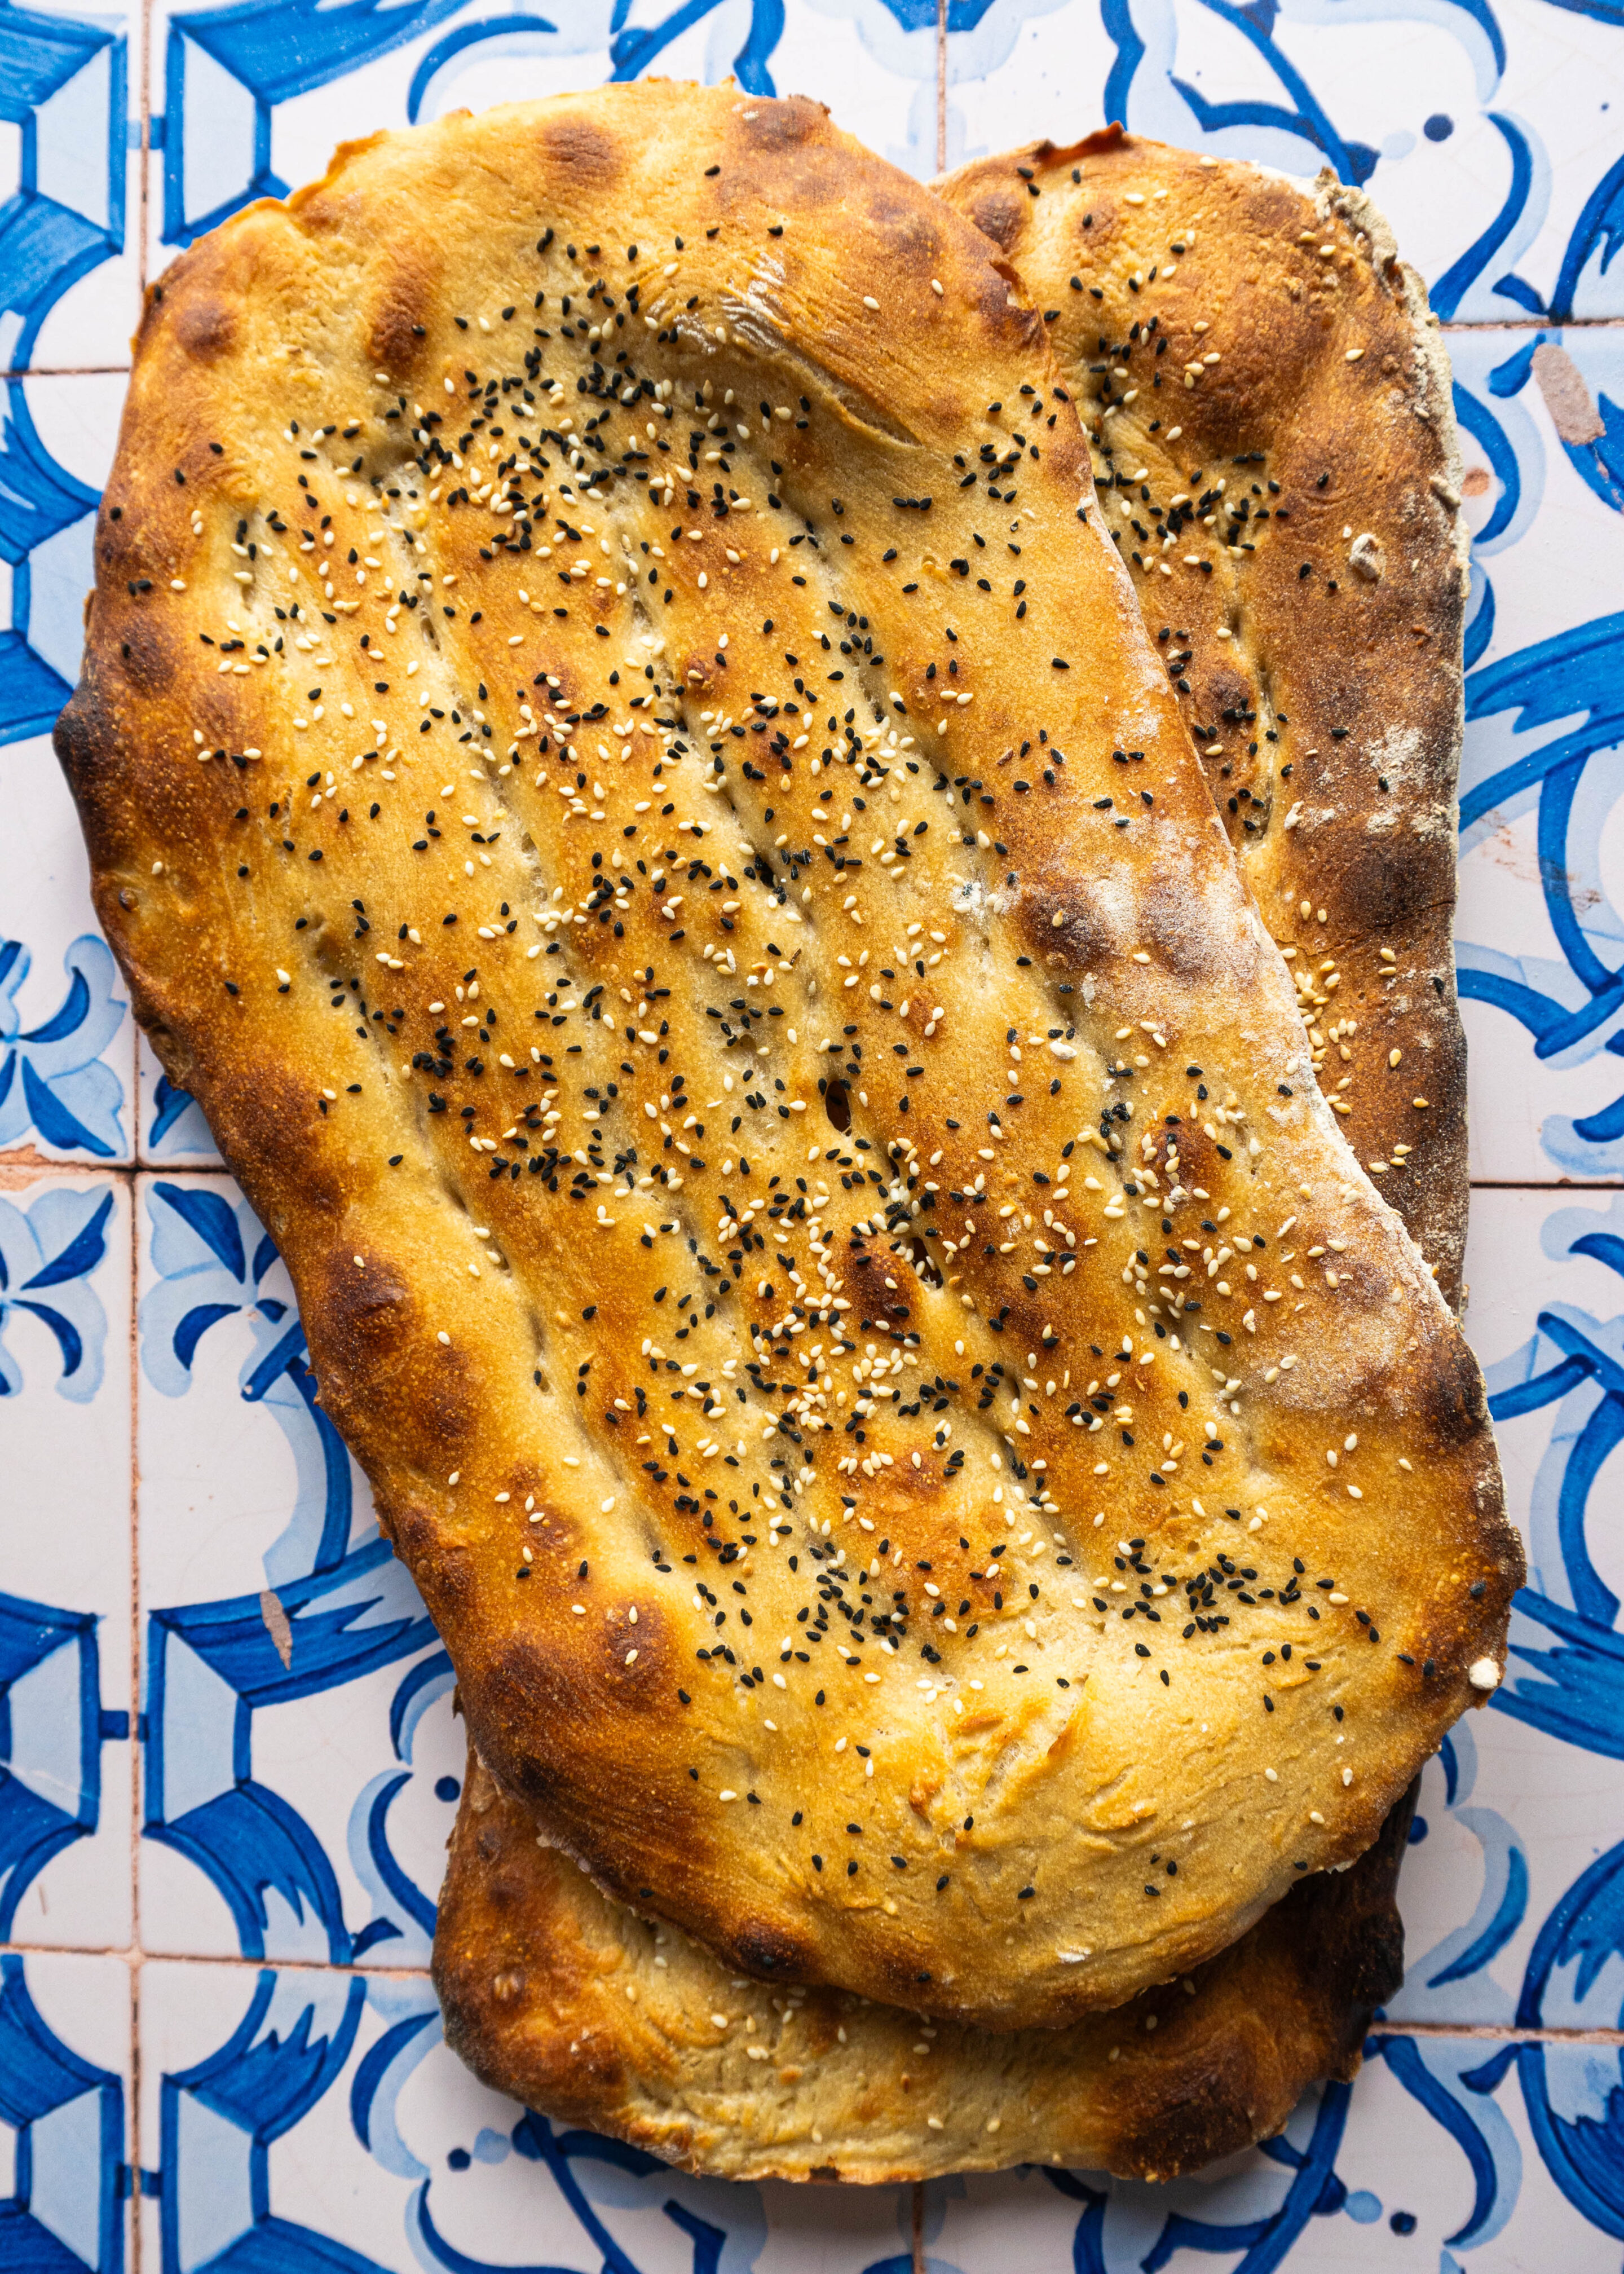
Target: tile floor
(228, 1758)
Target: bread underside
(569, 2003)
(801, 1164)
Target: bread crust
(553, 1995)
(1320, 656)
(494, 1245)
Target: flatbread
(554, 1996)
(574, 2006)
(1267, 398)
(583, 1331)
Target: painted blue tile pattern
(300, 1761)
(64, 88)
(324, 1618)
(62, 2121)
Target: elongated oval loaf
(624, 774)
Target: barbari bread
(823, 1236)
(572, 2005)
(568, 2002)
(1267, 398)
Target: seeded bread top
(1268, 399)
(800, 1165)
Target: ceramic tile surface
(66, 2139)
(229, 1760)
(68, 289)
(65, 1269)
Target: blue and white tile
(1539, 931)
(69, 185)
(65, 2108)
(1521, 1813)
(67, 1052)
(1446, 2152)
(171, 1130)
(320, 2112)
(66, 1276)
(1490, 140)
(58, 437)
(254, 101)
(301, 1763)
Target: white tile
(379, 2142)
(1487, 141)
(72, 184)
(302, 1766)
(874, 65)
(1430, 2153)
(65, 1868)
(1026, 69)
(66, 2139)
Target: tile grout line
(133, 1955)
(137, 2223)
(136, 1750)
(1388, 2024)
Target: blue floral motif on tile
(215, 1262)
(53, 1082)
(1289, 128)
(48, 1252)
(236, 64)
(66, 2208)
(227, 2111)
(63, 86)
(1261, 2214)
(1573, 2094)
(1450, 2080)
(1455, 1972)
(1248, 78)
(336, 1608)
(177, 1124)
(52, 1728)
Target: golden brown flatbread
(574, 2006)
(579, 2009)
(1268, 399)
(938, 1472)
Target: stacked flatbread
(624, 770)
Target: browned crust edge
(1368, 672)
(550, 1993)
